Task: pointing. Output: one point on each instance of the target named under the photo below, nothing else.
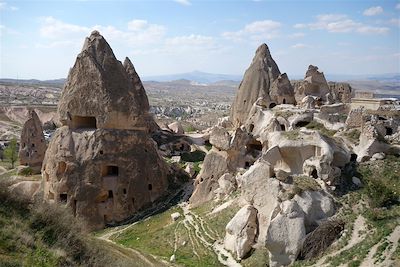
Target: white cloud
(300, 26)
(373, 11)
(190, 40)
(398, 6)
(297, 35)
(6, 30)
(5, 6)
(395, 22)
(256, 31)
(372, 30)
(137, 32)
(183, 2)
(339, 23)
(300, 46)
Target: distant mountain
(56, 82)
(196, 76)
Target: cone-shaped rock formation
(102, 162)
(33, 144)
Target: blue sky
(40, 39)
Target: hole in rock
(33, 145)
(284, 101)
(247, 164)
(389, 131)
(353, 157)
(150, 187)
(101, 152)
(63, 198)
(133, 201)
(124, 191)
(74, 208)
(314, 174)
(62, 166)
(110, 194)
(283, 128)
(272, 105)
(254, 145)
(80, 122)
(301, 124)
(109, 170)
(251, 128)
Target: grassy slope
(48, 235)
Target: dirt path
(358, 234)
(393, 240)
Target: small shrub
(313, 125)
(26, 172)
(305, 183)
(194, 156)
(320, 239)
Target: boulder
(241, 232)
(25, 189)
(175, 216)
(226, 185)
(176, 127)
(286, 233)
(314, 84)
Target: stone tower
(102, 162)
(33, 144)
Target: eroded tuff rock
(33, 145)
(314, 84)
(101, 92)
(102, 162)
(241, 231)
(257, 82)
(227, 154)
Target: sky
(41, 39)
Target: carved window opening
(81, 122)
(63, 198)
(150, 187)
(110, 194)
(109, 170)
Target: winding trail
(198, 231)
(358, 234)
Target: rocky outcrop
(314, 84)
(372, 142)
(241, 232)
(227, 154)
(100, 92)
(32, 144)
(25, 189)
(342, 92)
(103, 163)
(257, 82)
(281, 91)
(291, 221)
(176, 127)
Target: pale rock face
(262, 191)
(281, 91)
(33, 145)
(292, 220)
(307, 151)
(228, 154)
(176, 127)
(308, 102)
(256, 83)
(103, 163)
(286, 233)
(370, 143)
(241, 231)
(314, 84)
(226, 185)
(26, 189)
(101, 92)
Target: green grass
(291, 135)
(353, 135)
(313, 125)
(195, 156)
(48, 235)
(156, 236)
(258, 258)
